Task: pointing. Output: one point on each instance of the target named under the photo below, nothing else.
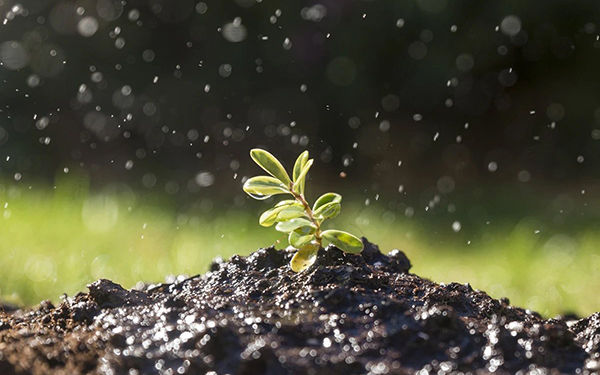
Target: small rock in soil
(347, 314)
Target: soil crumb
(347, 314)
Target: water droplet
(87, 26)
(234, 31)
(205, 179)
(225, 70)
(315, 13)
(259, 196)
(42, 123)
(510, 25)
(133, 15)
(524, 176)
(456, 226)
(287, 44)
(384, 126)
(201, 7)
(13, 55)
(120, 43)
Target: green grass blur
(57, 241)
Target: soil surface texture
(346, 314)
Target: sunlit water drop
(87, 26)
(287, 44)
(259, 196)
(456, 226)
(235, 31)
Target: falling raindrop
(354, 122)
(133, 15)
(224, 71)
(201, 7)
(524, 176)
(511, 25)
(13, 55)
(234, 31)
(314, 13)
(120, 43)
(87, 26)
(42, 123)
(33, 80)
(456, 226)
(287, 44)
(384, 126)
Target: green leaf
(262, 187)
(293, 224)
(298, 240)
(290, 212)
(269, 217)
(342, 240)
(306, 230)
(305, 257)
(298, 166)
(328, 210)
(284, 210)
(299, 182)
(288, 202)
(327, 198)
(270, 164)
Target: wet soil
(347, 314)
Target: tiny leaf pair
(302, 222)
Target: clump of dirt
(347, 314)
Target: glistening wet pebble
(347, 314)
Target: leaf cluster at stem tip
(295, 216)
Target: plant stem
(300, 198)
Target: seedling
(296, 217)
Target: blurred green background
(57, 241)
(465, 133)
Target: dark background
(163, 97)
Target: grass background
(56, 241)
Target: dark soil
(347, 314)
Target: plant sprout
(296, 217)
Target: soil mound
(347, 314)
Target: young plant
(302, 222)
